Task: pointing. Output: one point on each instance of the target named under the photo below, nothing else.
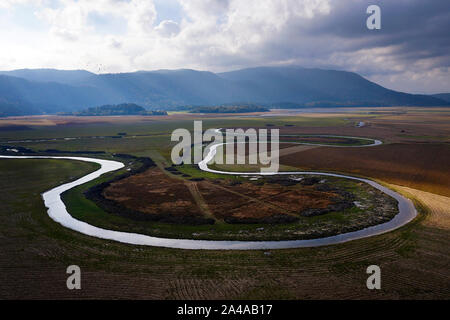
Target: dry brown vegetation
(251, 201)
(153, 192)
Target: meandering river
(58, 212)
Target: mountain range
(40, 91)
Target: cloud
(115, 43)
(168, 28)
(410, 52)
(11, 3)
(78, 17)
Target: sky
(411, 51)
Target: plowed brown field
(421, 166)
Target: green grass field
(34, 247)
(35, 251)
(141, 136)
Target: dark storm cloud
(416, 29)
(414, 39)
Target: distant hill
(21, 97)
(28, 91)
(309, 87)
(228, 109)
(123, 109)
(71, 77)
(15, 108)
(442, 96)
